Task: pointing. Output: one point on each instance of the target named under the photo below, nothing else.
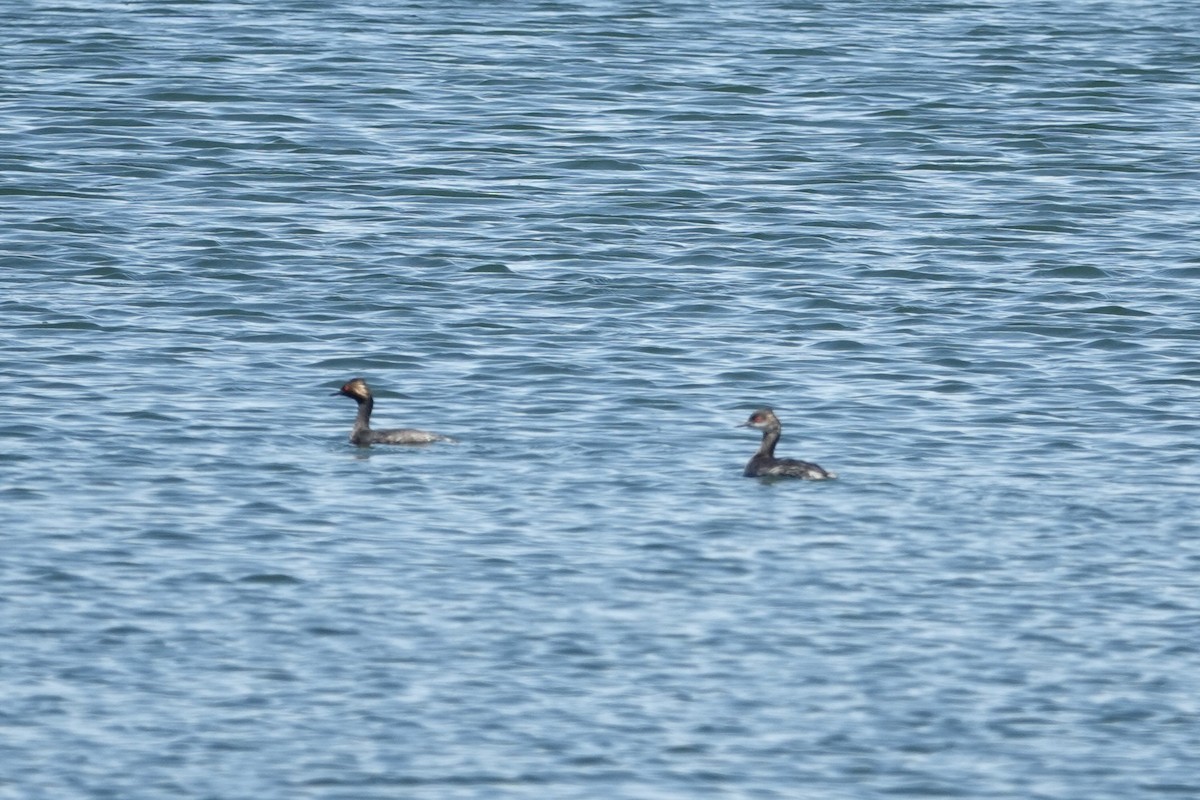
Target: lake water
(953, 244)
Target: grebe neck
(770, 437)
(362, 422)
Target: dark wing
(793, 468)
(407, 436)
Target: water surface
(951, 243)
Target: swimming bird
(362, 435)
(765, 464)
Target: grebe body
(765, 464)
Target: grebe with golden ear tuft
(363, 436)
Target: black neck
(770, 437)
(363, 421)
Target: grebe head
(356, 388)
(764, 419)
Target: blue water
(953, 244)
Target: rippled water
(952, 243)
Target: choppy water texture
(952, 243)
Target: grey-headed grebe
(363, 436)
(765, 463)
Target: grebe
(765, 463)
(363, 436)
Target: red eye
(756, 418)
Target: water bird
(362, 435)
(765, 464)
